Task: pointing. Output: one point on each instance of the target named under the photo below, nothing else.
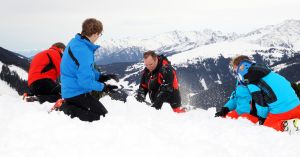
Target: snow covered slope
(134, 129)
(22, 73)
(130, 50)
(284, 35)
(6, 90)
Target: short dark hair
(150, 53)
(60, 45)
(238, 59)
(91, 26)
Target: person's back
(45, 64)
(73, 75)
(284, 98)
(79, 77)
(268, 89)
(43, 72)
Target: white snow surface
(133, 129)
(6, 90)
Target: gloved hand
(223, 112)
(261, 120)
(109, 88)
(140, 97)
(161, 97)
(106, 77)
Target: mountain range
(201, 59)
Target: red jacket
(164, 73)
(45, 64)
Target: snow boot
(57, 105)
(291, 126)
(179, 110)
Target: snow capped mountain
(131, 50)
(203, 44)
(200, 58)
(285, 34)
(204, 73)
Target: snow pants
(276, 120)
(84, 106)
(234, 115)
(45, 90)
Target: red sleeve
(56, 58)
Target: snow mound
(133, 129)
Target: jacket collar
(88, 43)
(56, 49)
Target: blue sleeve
(262, 111)
(86, 74)
(231, 103)
(97, 74)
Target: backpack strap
(73, 57)
(49, 66)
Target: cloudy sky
(36, 24)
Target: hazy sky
(36, 24)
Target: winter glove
(261, 120)
(106, 77)
(223, 112)
(109, 88)
(162, 97)
(140, 96)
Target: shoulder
(257, 72)
(242, 90)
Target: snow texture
(133, 129)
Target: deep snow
(132, 129)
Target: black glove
(109, 88)
(223, 112)
(140, 97)
(106, 77)
(161, 97)
(261, 120)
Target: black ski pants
(84, 106)
(45, 90)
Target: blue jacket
(285, 97)
(268, 89)
(76, 80)
(240, 101)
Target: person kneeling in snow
(268, 89)
(43, 72)
(240, 104)
(160, 80)
(79, 77)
